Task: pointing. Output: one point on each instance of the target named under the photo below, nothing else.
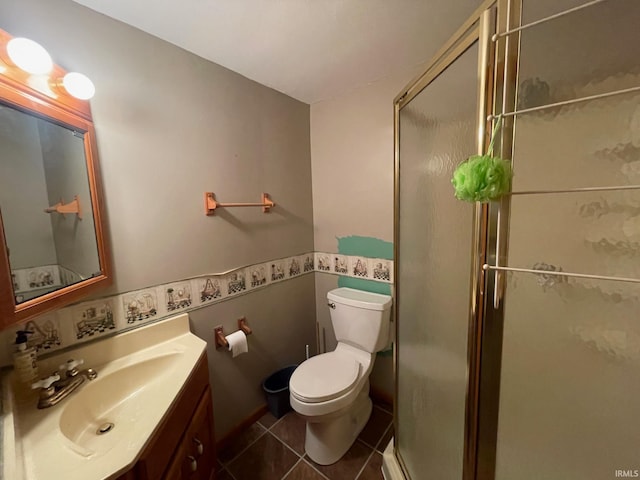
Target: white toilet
(331, 390)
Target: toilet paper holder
(221, 342)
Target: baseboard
(241, 427)
(381, 396)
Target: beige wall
(352, 164)
(171, 126)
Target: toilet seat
(324, 377)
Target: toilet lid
(324, 377)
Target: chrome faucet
(54, 389)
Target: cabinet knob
(193, 463)
(199, 446)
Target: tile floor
(273, 449)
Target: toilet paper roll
(237, 343)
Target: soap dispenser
(24, 365)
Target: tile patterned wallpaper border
(376, 269)
(43, 277)
(117, 313)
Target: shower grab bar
(566, 102)
(486, 267)
(496, 36)
(576, 190)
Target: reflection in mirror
(43, 171)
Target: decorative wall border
(376, 269)
(29, 282)
(100, 317)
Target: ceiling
(311, 50)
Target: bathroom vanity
(147, 415)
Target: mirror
(53, 241)
(43, 173)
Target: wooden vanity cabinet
(182, 447)
(193, 459)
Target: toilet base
(329, 439)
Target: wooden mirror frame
(42, 96)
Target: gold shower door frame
(497, 70)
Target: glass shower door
(437, 130)
(570, 379)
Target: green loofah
(482, 178)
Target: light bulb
(79, 85)
(29, 56)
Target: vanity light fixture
(29, 56)
(28, 61)
(78, 85)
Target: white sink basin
(113, 403)
(139, 375)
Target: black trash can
(276, 389)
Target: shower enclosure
(518, 321)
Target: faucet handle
(71, 364)
(46, 382)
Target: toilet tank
(360, 318)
